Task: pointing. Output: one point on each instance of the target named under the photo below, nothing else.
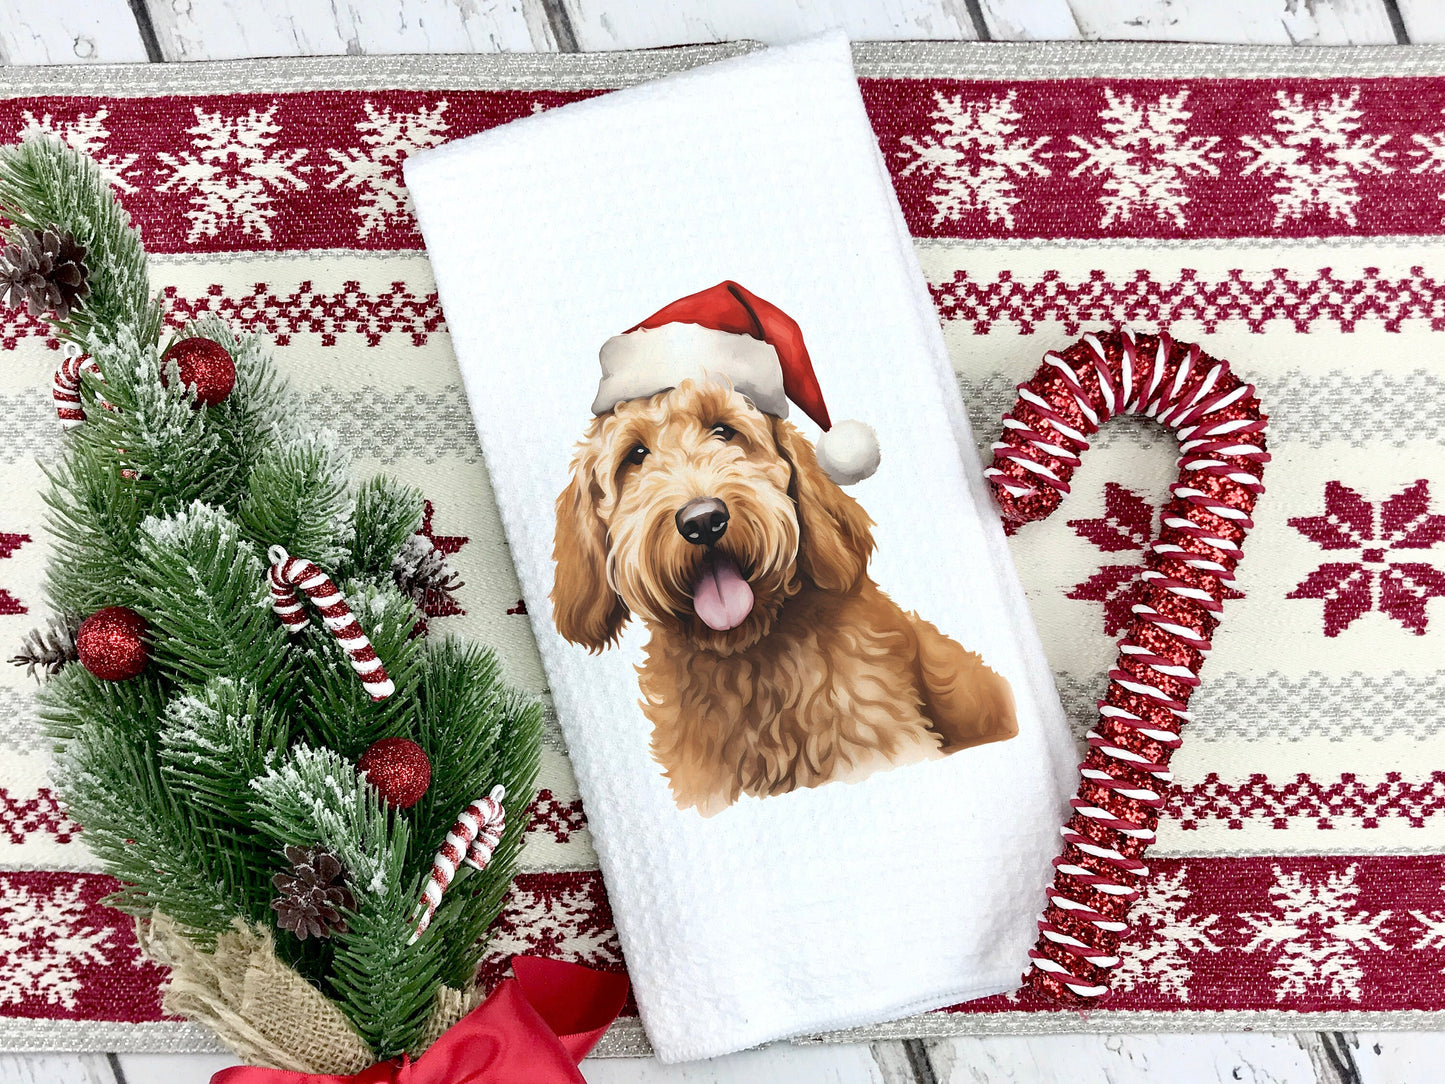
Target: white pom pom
(848, 452)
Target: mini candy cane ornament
(476, 834)
(66, 388)
(66, 392)
(288, 575)
(1125, 777)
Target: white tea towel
(798, 756)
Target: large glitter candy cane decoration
(288, 575)
(476, 834)
(1125, 775)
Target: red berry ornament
(204, 365)
(111, 643)
(399, 769)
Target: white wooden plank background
(95, 31)
(69, 32)
(1343, 22)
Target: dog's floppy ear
(586, 609)
(836, 541)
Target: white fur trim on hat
(848, 452)
(644, 362)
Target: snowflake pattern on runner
(373, 170)
(30, 813)
(1370, 580)
(9, 604)
(565, 916)
(233, 173)
(1432, 935)
(1126, 526)
(1166, 938)
(302, 307)
(1322, 299)
(974, 157)
(1429, 154)
(1301, 300)
(1145, 156)
(88, 134)
(1317, 155)
(558, 819)
(1318, 933)
(48, 943)
(1342, 801)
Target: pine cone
(313, 894)
(48, 648)
(45, 270)
(421, 573)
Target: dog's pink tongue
(721, 597)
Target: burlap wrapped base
(263, 1009)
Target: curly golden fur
(826, 678)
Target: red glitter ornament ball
(204, 365)
(111, 643)
(399, 769)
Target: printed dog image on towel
(774, 662)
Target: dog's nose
(702, 520)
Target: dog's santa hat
(730, 332)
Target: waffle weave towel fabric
(745, 919)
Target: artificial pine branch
(480, 901)
(298, 496)
(386, 987)
(172, 858)
(238, 739)
(462, 707)
(257, 413)
(76, 701)
(317, 797)
(93, 522)
(388, 513)
(175, 855)
(44, 184)
(202, 589)
(210, 738)
(175, 452)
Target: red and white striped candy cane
(472, 840)
(66, 388)
(1188, 569)
(291, 574)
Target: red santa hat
(727, 331)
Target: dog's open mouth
(721, 597)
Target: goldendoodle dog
(774, 661)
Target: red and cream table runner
(1286, 209)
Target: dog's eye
(725, 432)
(638, 454)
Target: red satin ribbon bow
(533, 1029)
